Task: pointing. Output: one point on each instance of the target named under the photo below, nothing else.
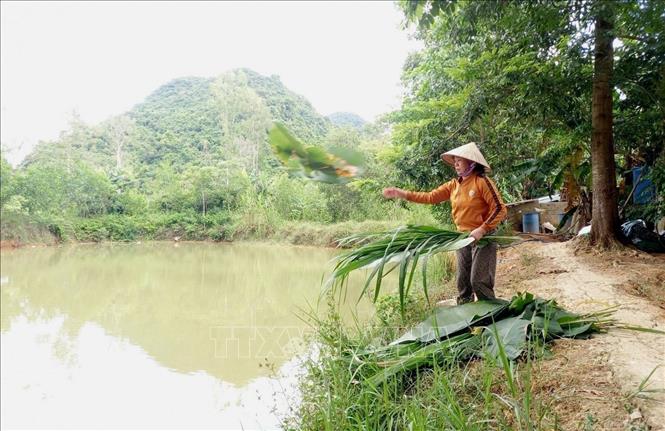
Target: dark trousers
(476, 267)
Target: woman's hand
(478, 233)
(394, 192)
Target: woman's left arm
(497, 209)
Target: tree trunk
(118, 157)
(604, 206)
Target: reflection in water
(152, 334)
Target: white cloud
(100, 58)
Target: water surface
(155, 334)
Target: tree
(119, 133)
(605, 212)
(64, 188)
(244, 119)
(6, 180)
(519, 78)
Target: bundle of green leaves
(401, 248)
(336, 166)
(504, 330)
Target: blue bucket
(531, 223)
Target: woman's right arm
(434, 197)
(394, 192)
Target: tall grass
(18, 228)
(483, 394)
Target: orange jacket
(475, 200)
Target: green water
(155, 334)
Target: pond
(166, 335)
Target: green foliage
(21, 227)
(130, 202)
(355, 381)
(515, 77)
(388, 309)
(445, 322)
(154, 226)
(448, 395)
(496, 329)
(296, 199)
(190, 121)
(343, 138)
(177, 121)
(325, 235)
(512, 76)
(6, 180)
(288, 108)
(79, 143)
(198, 188)
(256, 216)
(381, 253)
(245, 119)
(197, 147)
(62, 188)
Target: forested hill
(286, 106)
(191, 120)
(346, 119)
(191, 160)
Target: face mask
(468, 170)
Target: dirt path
(554, 271)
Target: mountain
(191, 120)
(288, 107)
(346, 119)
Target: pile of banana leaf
(497, 328)
(402, 248)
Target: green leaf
(511, 333)
(448, 321)
(520, 301)
(284, 143)
(549, 328)
(348, 155)
(312, 162)
(403, 246)
(572, 331)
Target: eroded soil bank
(596, 382)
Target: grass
(482, 394)
(354, 383)
(325, 235)
(18, 229)
(643, 390)
(184, 226)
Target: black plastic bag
(643, 238)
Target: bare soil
(595, 384)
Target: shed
(550, 209)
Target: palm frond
(334, 166)
(402, 248)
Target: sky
(99, 59)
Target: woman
(477, 208)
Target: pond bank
(19, 232)
(584, 384)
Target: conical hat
(469, 151)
